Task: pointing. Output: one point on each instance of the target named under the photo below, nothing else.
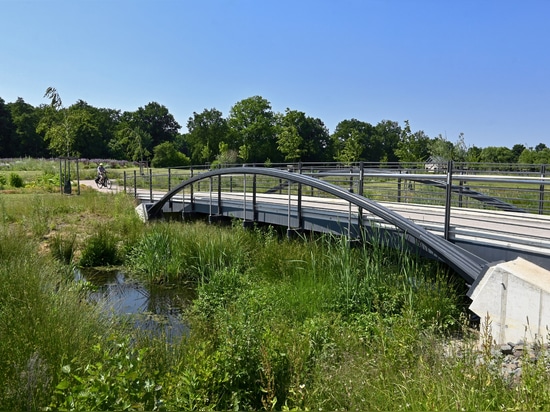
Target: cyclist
(101, 173)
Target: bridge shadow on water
(156, 310)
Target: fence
(511, 187)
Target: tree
(351, 141)
(166, 155)
(540, 147)
(412, 147)
(301, 137)
(26, 142)
(517, 150)
(206, 131)
(530, 156)
(226, 155)
(155, 120)
(473, 154)
(494, 154)
(88, 141)
(384, 142)
(441, 148)
(253, 122)
(96, 128)
(289, 141)
(55, 125)
(351, 149)
(131, 143)
(7, 131)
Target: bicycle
(105, 182)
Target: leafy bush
(16, 180)
(166, 155)
(120, 382)
(100, 249)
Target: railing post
(399, 188)
(124, 174)
(460, 187)
(170, 203)
(360, 209)
(135, 184)
(254, 200)
(61, 177)
(151, 184)
(77, 178)
(244, 198)
(219, 195)
(191, 193)
(541, 190)
(299, 207)
(448, 193)
(289, 207)
(210, 198)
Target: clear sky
(478, 67)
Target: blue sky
(478, 67)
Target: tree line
(251, 133)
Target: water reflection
(153, 309)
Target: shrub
(120, 382)
(63, 249)
(100, 250)
(16, 180)
(166, 155)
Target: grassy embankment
(277, 324)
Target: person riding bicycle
(101, 173)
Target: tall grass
(43, 323)
(305, 324)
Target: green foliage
(166, 155)
(412, 147)
(168, 253)
(120, 381)
(43, 319)
(253, 122)
(153, 256)
(63, 248)
(283, 324)
(207, 132)
(100, 249)
(16, 180)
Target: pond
(157, 310)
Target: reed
(43, 323)
(308, 323)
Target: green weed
(100, 249)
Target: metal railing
(510, 187)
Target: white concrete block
(141, 211)
(514, 298)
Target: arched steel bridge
(468, 265)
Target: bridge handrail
(521, 190)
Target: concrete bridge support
(513, 301)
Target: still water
(157, 309)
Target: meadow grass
(287, 324)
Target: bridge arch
(466, 264)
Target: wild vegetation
(250, 133)
(277, 324)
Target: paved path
(91, 183)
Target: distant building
(435, 164)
